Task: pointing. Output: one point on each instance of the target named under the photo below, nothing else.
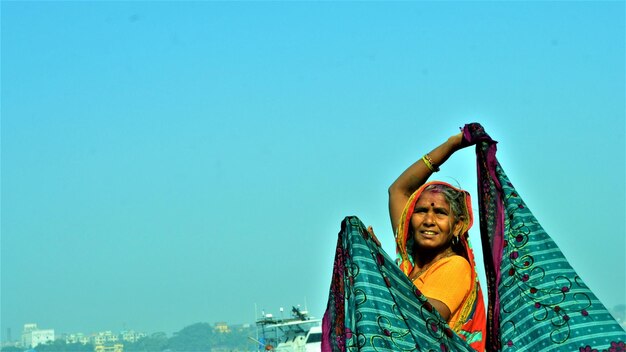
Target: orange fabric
(448, 281)
(471, 321)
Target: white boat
(313, 342)
(298, 333)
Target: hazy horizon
(167, 163)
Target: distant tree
(156, 342)
(61, 346)
(11, 349)
(78, 347)
(196, 337)
(56, 346)
(239, 339)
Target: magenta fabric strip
(491, 216)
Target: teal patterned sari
(537, 302)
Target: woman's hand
(474, 133)
(456, 142)
(370, 230)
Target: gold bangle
(429, 163)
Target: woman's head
(459, 207)
(455, 199)
(438, 219)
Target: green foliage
(61, 346)
(11, 349)
(202, 337)
(196, 337)
(156, 342)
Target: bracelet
(429, 163)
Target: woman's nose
(429, 219)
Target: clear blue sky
(167, 163)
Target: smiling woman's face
(432, 222)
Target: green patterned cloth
(537, 302)
(373, 306)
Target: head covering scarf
(472, 322)
(404, 241)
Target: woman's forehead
(432, 198)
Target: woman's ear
(458, 227)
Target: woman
(431, 222)
(537, 302)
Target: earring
(455, 240)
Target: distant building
(103, 337)
(118, 347)
(77, 338)
(29, 327)
(33, 336)
(131, 335)
(240, 327)
(221, 327)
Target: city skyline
(618, 312)
(5, 334)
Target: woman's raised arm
(417, 174)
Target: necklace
(414, 277)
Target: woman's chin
(431, 245)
